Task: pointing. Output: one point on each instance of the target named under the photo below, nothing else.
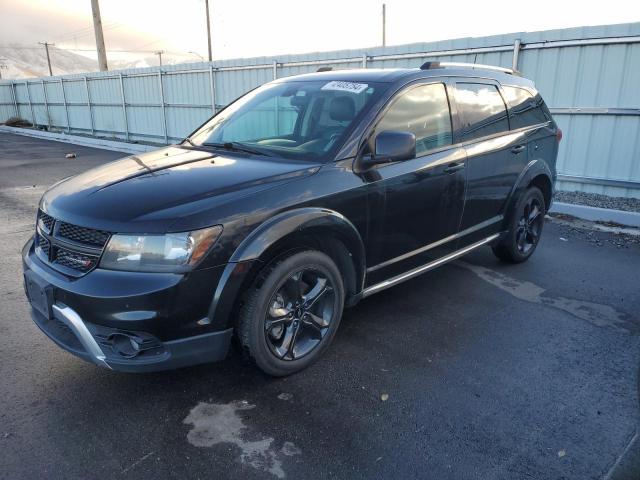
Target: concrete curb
(596, 214)
(114, 145)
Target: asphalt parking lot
(487, 371)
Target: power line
(86, 31)
(108, 50)
(148, 43)
(88, 35)
(80, 49)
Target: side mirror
(393, 146)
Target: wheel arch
(537, 173)
(305, 228)
(543, 182)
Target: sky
(242, 28)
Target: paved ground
(491, 372)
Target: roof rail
(432, 65)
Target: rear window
(483, 110)
(525, 109)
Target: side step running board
(378, 287)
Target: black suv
(303, 196)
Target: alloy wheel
(529, 226)
(299, 314)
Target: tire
(291, 312)
(525, 228)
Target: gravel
(598, 200)
(572, 228)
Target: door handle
(518, 148)
(454, 167)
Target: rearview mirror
(392, 146)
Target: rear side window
(424, 111)
(525, 109)
(483, 110)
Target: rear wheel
(291, 312)
(525, 228)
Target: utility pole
(206, 2)
(46, 47)
(384, 25)
(159, 53)
(97, 28)
(2, 66)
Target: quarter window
(423, 111)
(483, 110)
(525, 109)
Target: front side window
(482, 108)
(301, 120)
(423, 111)
(525, 109)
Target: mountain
(28, 62)
(23, 61)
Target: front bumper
(128, 321)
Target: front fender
(267, 235)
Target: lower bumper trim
(71, 333)
(77, 326)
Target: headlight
(173, 252)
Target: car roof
(392, 75)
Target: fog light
(125, 345)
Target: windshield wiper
(237, 147)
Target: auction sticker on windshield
(345, 86)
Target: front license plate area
(39, 294)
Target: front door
(416, 204)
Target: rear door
(528, 112)
(495, 157)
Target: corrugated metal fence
(589, 76)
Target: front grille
(69, 248)
(44, 245)
(46, 221)
(74, 260)
(88, 236)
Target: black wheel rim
(529, 226)
(299, 314)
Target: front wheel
(525, 228)
(291, 312)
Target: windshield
(305, 120)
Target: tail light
(559, 134)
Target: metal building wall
(589, 77)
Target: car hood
(150, 192)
